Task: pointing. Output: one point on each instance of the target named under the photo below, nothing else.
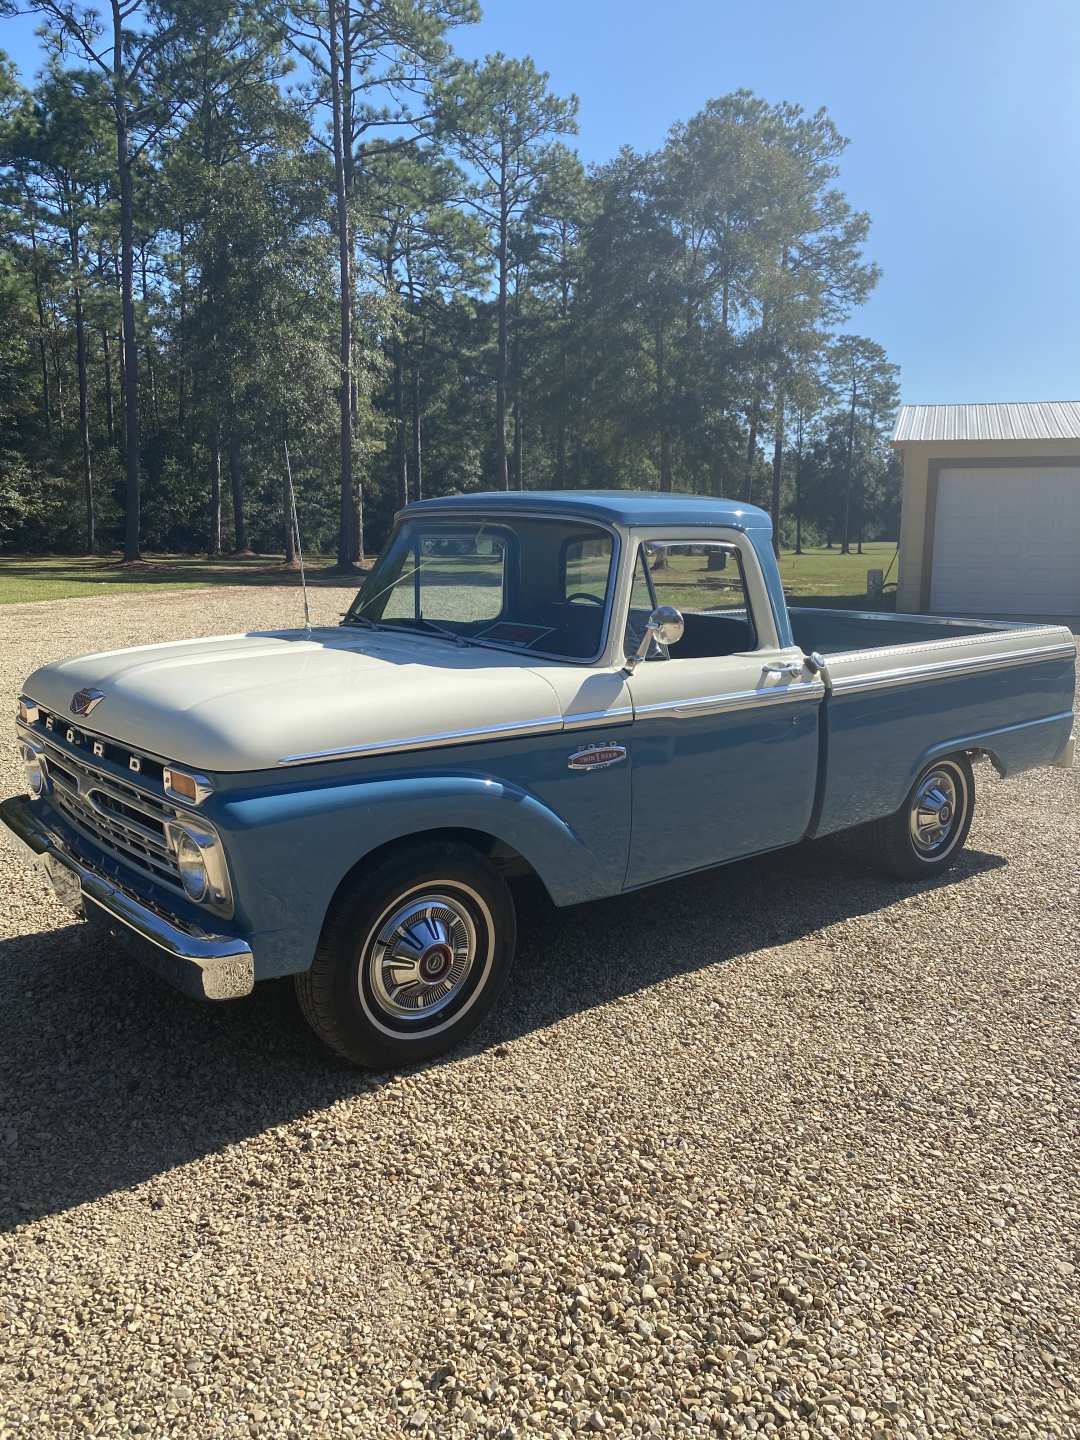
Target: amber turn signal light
(183, 786)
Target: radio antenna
(296, 536)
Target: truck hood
(251, 702)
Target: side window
(706, 583)
(586, 567)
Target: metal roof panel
(1016, 420)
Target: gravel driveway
(784, 1149)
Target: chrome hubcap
(935, 811)
(421, 957)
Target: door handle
(791, 668)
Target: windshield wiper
(438, 629)
(348, 619)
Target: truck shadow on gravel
(107, 1078)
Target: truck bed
(904, 689)
(834, 632)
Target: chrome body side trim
(732, 700)
(215, 967)
(944, 669)
(554, 724)
(548, 724)
(586, 719)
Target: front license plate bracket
(64, 882)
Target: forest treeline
(230, 229)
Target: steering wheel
(584, 595)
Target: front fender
(290, 848)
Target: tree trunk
(777, 469)
(661, 407)
(106, 366)
(58, 379)
(213, 544)
(417, 433)
(287, 519)
(560, 441)
(402, 449)
(798, 489)
(860, 493)
(502, 474)
(751, 446)
(845, 547)
(517, 410)
(150, 371)
(84, 404)
(127, 298)
(46, 404)
(236, 483)
(519, 444)
(181, 357)
(350, 526)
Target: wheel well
(510, 863)
(977, 753)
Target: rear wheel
(928, 830)
(412, 956)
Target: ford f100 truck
(603, 690)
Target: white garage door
(1007, 542)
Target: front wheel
(412, 956)
(928, 830)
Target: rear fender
(1011, 749)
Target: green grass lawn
(62, 577)
(827, 572)
(816, 577)
(817, 572)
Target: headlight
(192, 866)
(200, 861)
(34, 764)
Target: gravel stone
(781, 1150)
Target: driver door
(725, 731)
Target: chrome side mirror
(666, 626)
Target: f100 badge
(596, 757)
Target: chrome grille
(125, 821)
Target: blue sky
(964, 121)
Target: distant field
(819, 576)
(827, 572)
(61, 577)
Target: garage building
(990, 522)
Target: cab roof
(618, 507)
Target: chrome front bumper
(210, 967)
(1067, 758)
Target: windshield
(520, 584)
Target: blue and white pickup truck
(603, 690)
